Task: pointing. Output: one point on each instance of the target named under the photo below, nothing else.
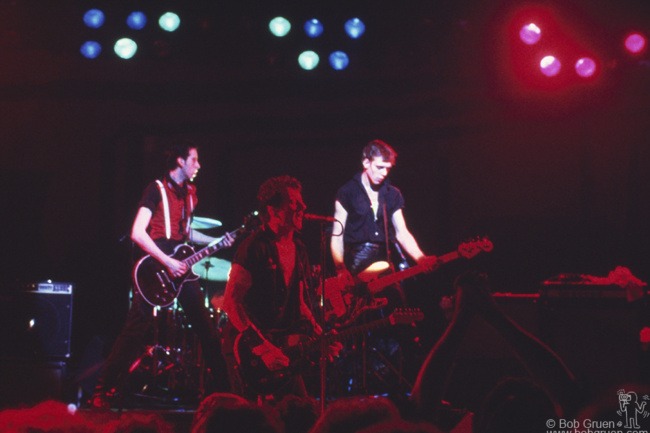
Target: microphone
(320, 218)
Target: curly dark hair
(273, 191)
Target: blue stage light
(91, 49)
(339, 60)
(136, 20)
(313, 28)
(355, 28)
(94, 18)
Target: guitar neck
(210, 249)
(356, 331)
(399, 316)
(379, 284)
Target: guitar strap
(388, 257)
(165, 202)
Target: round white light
(125, 48)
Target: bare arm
(239, 282)
(237, 286)
(405, 238)
(336, 244)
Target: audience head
(299, 414)
(133, 422)
(46, 417)
(230, 413)
(401, 426)
(515, 405)
(348, 415)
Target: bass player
(369, 217)
(369, 227)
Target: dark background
(557, 177)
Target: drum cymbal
(212, 269)
(203, 223)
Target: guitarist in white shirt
(162, 223)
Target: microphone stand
(323, 349)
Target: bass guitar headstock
(471, 248)
(405, 316)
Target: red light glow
(550, 66)
(635, 43)
(585, 67)
(530, 34)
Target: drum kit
(171, 369)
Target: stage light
(530, 34)
(550, 66)
(91, 49)
(125, 48)
(308, 60)
(94, 18)
(585, 67)
(635, 43)
(136, 20)
(169, 21)
(339, 60)
(313, 28)
(355, 28)
(279, 26)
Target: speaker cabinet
(27, 382)
(596, 337)
(37, 322)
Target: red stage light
(550, 66)
(585, 67)
(635, 43)
(530, 34)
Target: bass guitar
(344, 303)
(158, 287)
(303, 351)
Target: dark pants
(380, 362)
(130, 344)
(295, 385)
(359, 256)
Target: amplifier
(38, 321)
(582, 291)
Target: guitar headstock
(472, 248)
(404, 316)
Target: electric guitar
(158, 287)
(303, 351)
(344, 302)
